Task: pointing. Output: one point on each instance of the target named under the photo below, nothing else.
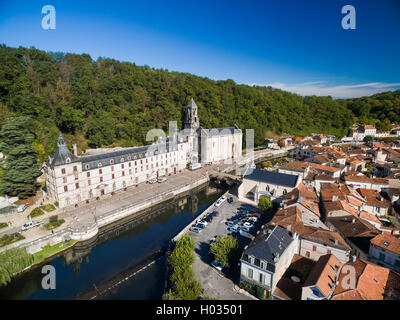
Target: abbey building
(71, 179)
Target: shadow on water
(117, 253)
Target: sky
(295, 45)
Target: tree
(225, 250)
(264, 203)
(384, 125)
(368, 139)
(20, 168)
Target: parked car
(234, 228)
(203, 221)
(200, 225)
(218, 203)
(212, 241)
(154, 180)
(248, 225)
(30, 225)
(22, 207)
(230, 199)
(195, 229)
(229, 223)
(215, 213)
(161, 179)
(217, 265)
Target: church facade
(71, 179)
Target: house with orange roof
(374, 203)
(315, 239)
(321, 281)
(385, 250)
(364, 280)
(366, 183)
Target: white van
(195, 166)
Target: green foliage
(368, 139)
(3, 225)
(107, 102)
(49, 208)
(13, 261)
(264, 203)
(10, 238)
(20, 169)
(54, 223)
(260, 292)
(35, 213)
(185, 286)
(226, 251)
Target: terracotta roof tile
(387, 242)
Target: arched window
(284, 192)
(250, 195)
(99, 164)
(267, 188)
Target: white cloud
(320, 88)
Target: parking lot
(215, 283)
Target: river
(116, 256)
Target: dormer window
(112, 161)
(122, 159)
(129, 158)
(87, 167)
(68, 160)
(99, 164)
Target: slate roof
(220, 131)
(277, 242)
(62, 154)
(120, 156)
(280, 179)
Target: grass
(35, 213)
(10, 238)
(54, 224)
(48, 207)
(48, 250)
(3, 225)
(6, 210)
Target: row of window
(75, 169)
(87, 166)
(261, 277)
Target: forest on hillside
(110, 103)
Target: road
(214, 283)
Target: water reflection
(115, 249)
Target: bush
(3, 225)
(226, 251)
(260, 292)
(264, 203)
(36, 212)
(13, 261)
(10, 238)
(184, 285)
(49, 207)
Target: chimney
(289, 227)
(354, 220)
(354, 258)
(75, 150)
(336, 241)
(334, 198)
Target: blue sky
(296, 45)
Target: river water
(118, 250)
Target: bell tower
(192, 119)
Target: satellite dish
(295, 279)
